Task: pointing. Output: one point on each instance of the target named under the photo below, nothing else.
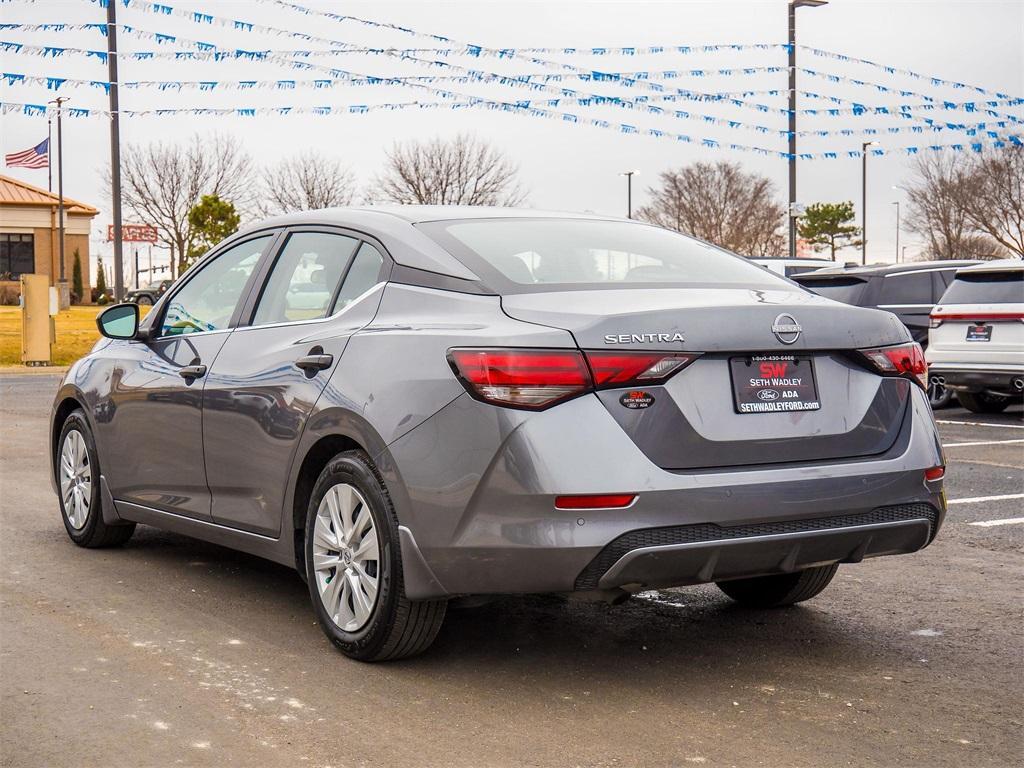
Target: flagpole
(49, 143)
(60, 195)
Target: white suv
(976, 338)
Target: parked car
(907, 290)
(148, 294)
(790, 267)
(497, 401)
(976, 340)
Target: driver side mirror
(120, 321)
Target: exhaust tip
(1018, 384)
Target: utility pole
(864, 200)
(63, 282)
(629, 191)
(115, 148)
(897, 204)
(791, 212)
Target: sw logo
(768, 394)
(773, 370)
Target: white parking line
(978, 499)
(1004, 521)
(979, 424)
(981, 442)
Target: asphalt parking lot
(174, 652)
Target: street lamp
(864, 200)
(629, 191)
(793, 5)
(897, 204)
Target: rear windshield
(845, 289)
(549, 254)
(986, 288)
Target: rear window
(540, 254)
(986, 288)
(845, 289)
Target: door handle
(192, 371)
(313, 363)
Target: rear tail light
(935, 473)
(595, 501)
(904, 360)
(538, 378)
(623, 369)
(938, 317)
(523, 378)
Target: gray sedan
(418, 404)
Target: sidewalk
(29, 370)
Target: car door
(321, 288)
(152, 427)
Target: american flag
(36, 157)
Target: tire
(394, 627)
(781, 590)
(939, 395)
(980, 402)
(76, 463)
(144, 300)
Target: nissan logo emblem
(786, 328)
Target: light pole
(793, 5)
(897, 204)
(63, 283)
(864, 200)
(629, 191)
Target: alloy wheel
(75, 479)
(346, 557)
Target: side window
(207, 300)
(362, 276)
(906, 289)
(304, 278)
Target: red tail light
(905, 360)
(595, 501)
(522, 378)
(538, 378)
(938, 317)
(623, 369)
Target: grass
(75, 329)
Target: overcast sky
(563, 166)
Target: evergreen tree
(827, 225)
(77, 292)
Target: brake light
(621, 369)
(522, 378)
(904, 360)
(938, 317)
(595, 501)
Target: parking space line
(1004, 521)
(978, 499)
(979, 424)
(981, 442)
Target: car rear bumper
(475, 485)
(976, 377)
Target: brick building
(29, 235)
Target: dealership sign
(133, 233)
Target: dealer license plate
(773, 383)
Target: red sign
(133, 233)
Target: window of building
(17, 256)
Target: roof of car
(997, 265)
(887, 269)
(416, 214)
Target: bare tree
(720, 203)
(937, 211)
(992, 196)
(460, 171)
(162, 182)
(305, 182)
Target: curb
(32, 370)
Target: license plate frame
(778, 384)
(979, 332)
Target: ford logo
(767, 394)
(786, 328)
